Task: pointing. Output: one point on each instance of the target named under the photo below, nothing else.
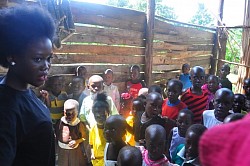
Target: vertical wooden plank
(149, 41)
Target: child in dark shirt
(246, 87)
(224, 81)
(239, 104)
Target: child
(177, 134)
(129, 156)
(77, 87)
(96, 136)
(194, 97)
(211, 87)
(115, 129)
(155, 88)
(152, 114)
(172, 105)
(70, 133)
(81, 71)
(189, 154)
(110, 88)
(55, 98)
(223, 102)
(185, 77)
(86, 114)
(224, 81)
(126, 104)
(155, 136)
(135, 84)
(239, 104)
(233, 117)
(246, 87)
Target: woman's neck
(14, 82)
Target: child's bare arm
(45, 96)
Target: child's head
(246, 86)
(193, 136)
(56, 84)
(238, 103)
(81, 71)
(155, 88)
(153, 104)
(213, 83)
(185, 68)
(129, 156)
(135, 72)
(233, 117)
(155, 136)
(77, 85)
(197, 76)
(174, 90)
(95, 83)
(184, 120)
(71, 110)
(115, 128)
(223, 101)
(138, 105)
(224, 71)
(108, 76)
(100, 109)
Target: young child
(97, 140)
(86, 113)
(233, 117)
(211, 87)
(77, 87)
(172, 105)
(194, 97)
(129, 156)
(81, 71)
(70, 133)
(185, 77)
(115, 129)
(189, 154)
(223, 102)
(177, 134)
(110, 88)
(55, 98)
(239, 104)
(224, 81)
(246, 87)
(152, 114)
(155, 136)
(135, 84)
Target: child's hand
(73, 143)
(92, 157)
(45, 94)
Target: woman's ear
(11, 60)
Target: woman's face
(33, 67)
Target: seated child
(172, 105)
(152, 114)
(189, 154)
(194, 97)
(239, 104)
(224, 81)
(129, 156)
(246, 87)
(211, 87)
(223, 102)
(155, 136)
(110, 88)
(115, 129)
(86, 114)
(70, 133)
(55, 97)
(97, 140)
(185, 77)
(177, 134)
(233, 117)
(77, 87)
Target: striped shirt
(196, 103)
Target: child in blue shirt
(185, 77)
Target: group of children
(95, 125)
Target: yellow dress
(129, 138)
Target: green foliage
(118, 3)
(202, 16)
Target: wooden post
(149, 41)
(221, 37)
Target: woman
(26, 134)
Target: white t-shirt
(209, 119)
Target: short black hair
(198, 129)
(101, 102)
(176, 83)
(188, 112)
(129, 156)
(185, 65)
(226, 66)
(233, 117)
(213, 76)
(20, 26)
(79, 78)
(155, 88)
(135, 67)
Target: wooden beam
(149, 41)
